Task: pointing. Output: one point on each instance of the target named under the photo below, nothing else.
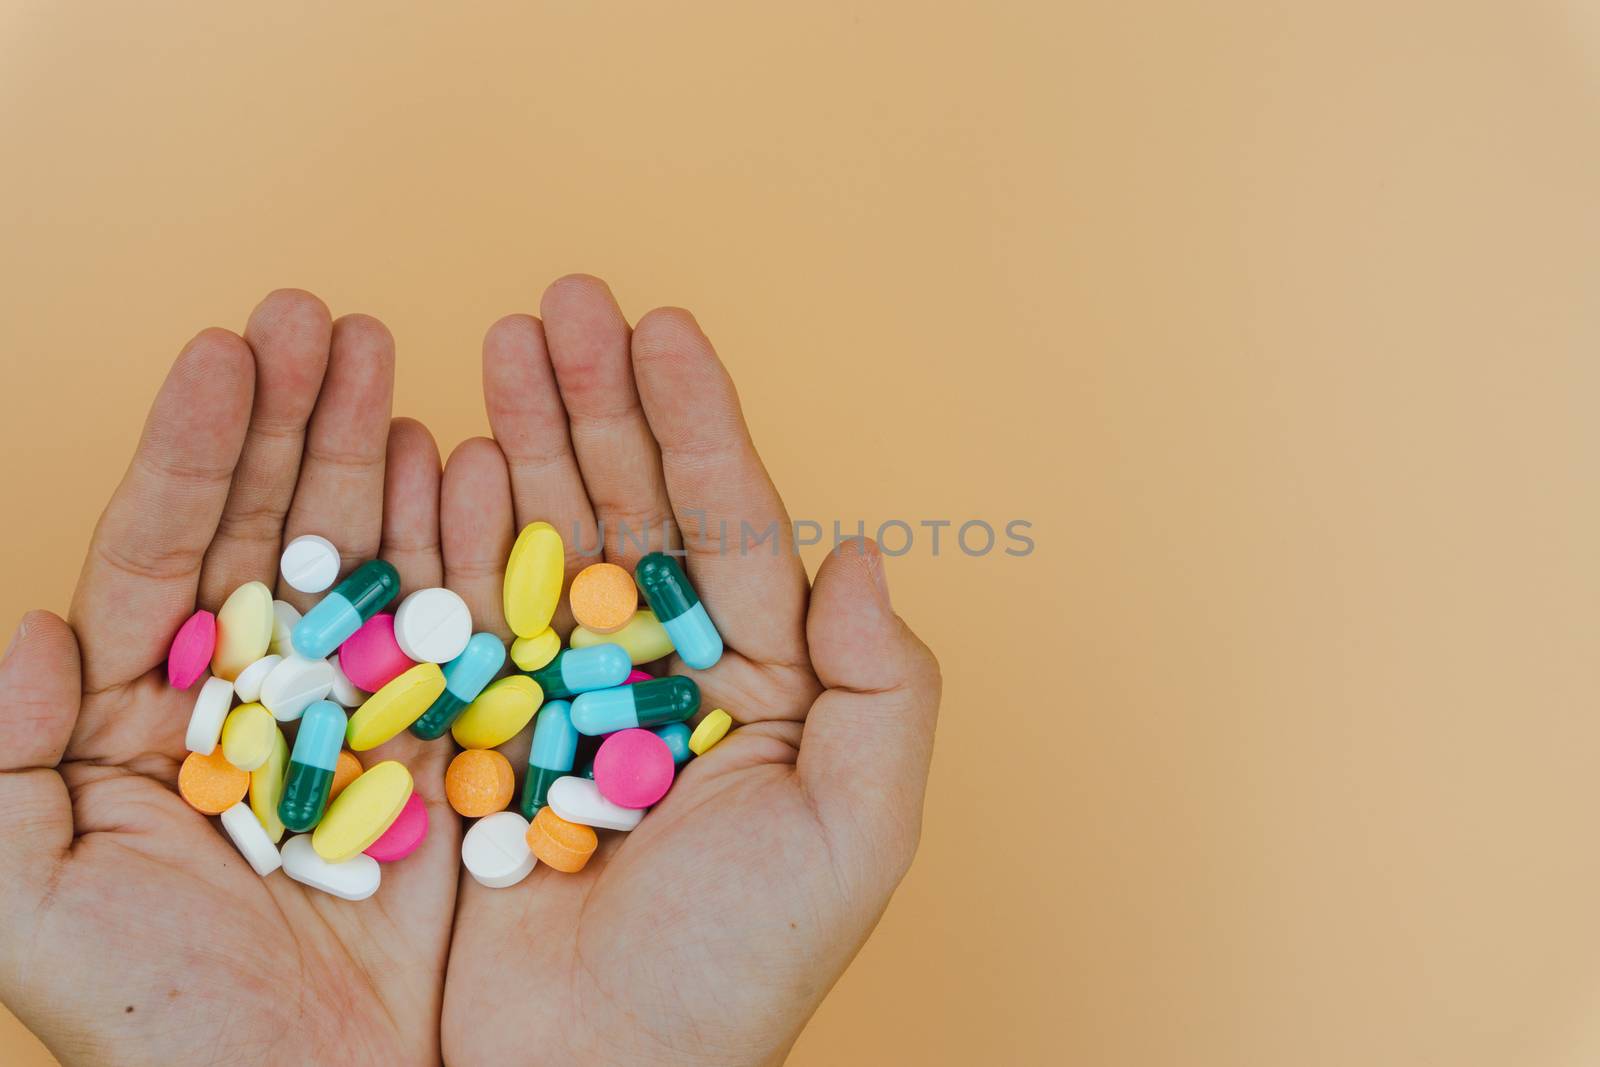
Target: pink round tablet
(191, 649)
(633, 768)
(371, 657)
(635, 677)
(404, 834)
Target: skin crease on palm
(136, 934)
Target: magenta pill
(404, 834)
(191, 650)
(371, 656)
(636, 676)
(633, 768)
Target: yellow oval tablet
(531, 653)
(244, 630)
(247, 736)
(499, 712)
(363, 812)
(644, 638)
(266, 787)
(534, 572)
(394, 707)
(712, 728)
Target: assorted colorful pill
(273, 747)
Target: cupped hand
(133, 931)
(711, 932)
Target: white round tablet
(357, 878)
(294, 685)
(495, 850)
(248, 684)
(433, 625)
(285, 616)
(345, 692)
(310, 563)
(578, 799)
(251, 839)
(211, 708)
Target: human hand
(711, 933)
(134, 932)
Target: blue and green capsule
(464, 678)
(311, 766)
(652, 703)
(580, 670)
(367, 591)
(679, 610)
(555, 747)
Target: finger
(411, 507)
(340, 492)
(754, 584)
(867, 742)
(616, 452)
(530, 425)
(288, 333)
(475, 527)
(39, 690)
(140, 577)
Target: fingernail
(880, 578)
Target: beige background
(1278, 321)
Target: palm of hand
(150, 940)
(711, 932)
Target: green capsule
(311, 766)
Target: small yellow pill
(247, 736)
(244, 630)
(363, 812)
(534, 572)
(266, 787)
(394, 707)
(532, 653)
(643, 638)
(500, 711)
(712, 728)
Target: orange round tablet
(604, 598)
(557, 843)
(210, 783)
(347, 770)
(479, 782)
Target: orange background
(1278, 321)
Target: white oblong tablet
(578, 799)
(248, 684)
(294, 685)
(433, 625)
(251, 839)
(345, 692)
(210, 711)
(310, 563)
(284, 617)
(356, 878)
(495, 850)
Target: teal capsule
(311, 766)
(652, 703)
(464, 678)
(678, 607)
(367, 591)
(555, 746)
(580, 670)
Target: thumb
(868, 739)
(40, 685)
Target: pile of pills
(290, 700)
